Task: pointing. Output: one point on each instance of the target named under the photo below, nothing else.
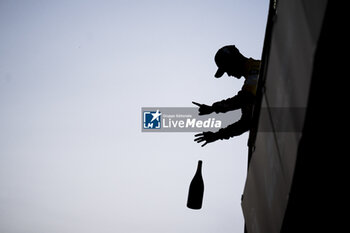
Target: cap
(223, 57)
(219, 73)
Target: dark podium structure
(295, 145)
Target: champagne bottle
(196, 190)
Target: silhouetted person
(229, 60)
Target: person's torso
(251, 81)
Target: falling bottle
(196, 190)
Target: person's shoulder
(253, 66)
(254, 62)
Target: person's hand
(206, 137)
(203, 108)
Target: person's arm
(240, 100)
(243, 98)
(235, 129)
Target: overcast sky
(73, 78)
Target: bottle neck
(199, 167)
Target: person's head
(229, 60)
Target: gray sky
(73, 78)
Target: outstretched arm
(235, 129)
(243, 98)
(203, 108)
(206, 137)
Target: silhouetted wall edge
(290, 51)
